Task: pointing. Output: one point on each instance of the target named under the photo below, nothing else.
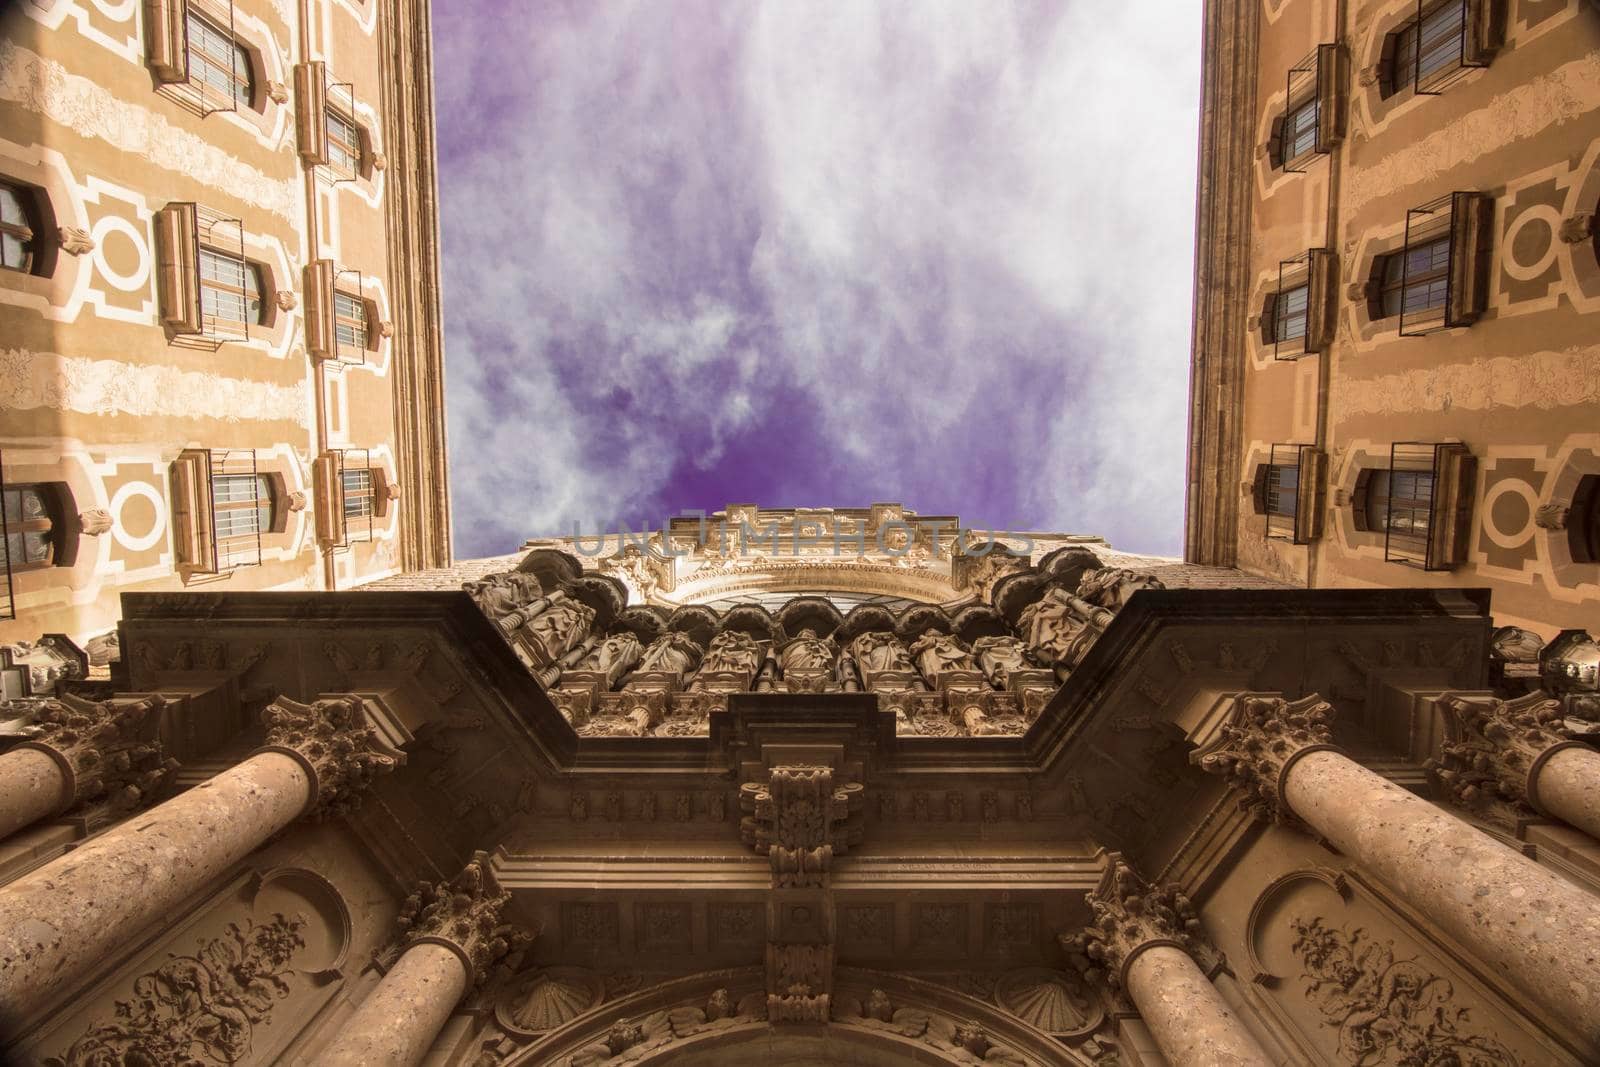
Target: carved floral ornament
(1495, 749)
(1131, 915)
(334, 742)
(463, 914)
(106, 751)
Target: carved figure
(612, 657)
(808, 652)
(560, 628)
(671, 653)
(1049, 626)
(999, 656)
(734, 652)
(937, 653)
(879, 651)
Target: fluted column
(86, 752)
(1516, 755)
(71, 915)
(452, 933)
(1144, 940)
(1523, 921)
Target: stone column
(452, 932)
(1514, 758)
(1521, 920)
(85, 752)
(1145, 940)
(70, 916)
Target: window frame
(1457, 230)
(1583, 520)
(27, 233)
(1438, 542)
(204, 546)
(240, 71)
(1476, 35)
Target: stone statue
(732, 651)
(560, 627)
(671, 653)
(1111, 587)
(1049, 626)
(498, 595)
(1000, 656)
(938, 653)
(808, 652)
(879, 651)
(612, 657)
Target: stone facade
(562, 808)
(1312, 383)
(222, 362)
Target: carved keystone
(104, 750)
(1131, 915)
(463, 914)
(1261, 742)
(335, 743)
(1495, 751)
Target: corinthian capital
(106, 750)
(1131, 915)
(463, 914)
(334, 742)
(1261, 742)
(1490, 763)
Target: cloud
(699, 253)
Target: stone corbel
(74, 241)
(380, 161)
(1578, 228)
(286, 299)
(385, 328)
(94, 521)
(297, 500)
(277, 92)
(1369, 76)
(1552, 516)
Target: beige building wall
(114, 396)
(1511, 390)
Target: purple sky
(817, 254)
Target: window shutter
(1389, 79)
(1269, 318)
(279, 490)
(1275, 144)
(1358, 499)
(380, 492)
(1321, 298)
(178, 271)
(1258, 488)
(310, 110)
(1484, 33)
(1471, 237)
(319, 309)
(166, 40)
(1332, 79)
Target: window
(1439, 44)
(1289, 314)
(18, 226)
(242, 504)
(1439, 278)
(357, 492)
(344, 143)
(230, 288)
(30, 527)
(1583, 521)
(218, 64)
(350, 320)
(1300, 130)
(1288, 491)
(1283, 487)
(1416, 280)
(1421, 503)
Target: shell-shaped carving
(547, 999)
(1049, 1000)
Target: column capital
(107, 750)
(1261, 741)
(464, 914)
(1495, 749)
(1131, 915)
(334, 741)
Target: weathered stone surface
(1186, 1015)
(32, 787)
(465, 915)
(1261, 743)
(398, 1021)
(335, 743)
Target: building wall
(99, 393)
(1517, 386)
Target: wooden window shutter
(1258, 488)
(1332, 82)
(1472, 236)
(320, 335)
(1358, 499)
(166, 40)
(177, 270)
(310, 110)
(1321, 298)
(1269, 318)
(380, 492)
(1484, 33)
(1275, 144)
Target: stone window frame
(330, 484)
(324, 283)
(167, 56)
(194, 504)
(44, 236)
(1315, 84)
(1316, 270)
(1304, 520)
(317, 96)
(1452, 479)
(60, 519)
(183, 229)
(1468, 222)
(1583, 520)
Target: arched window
(242, 509)
(1414, 280)
(230, 287)
(19, 228)
(33, 527)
